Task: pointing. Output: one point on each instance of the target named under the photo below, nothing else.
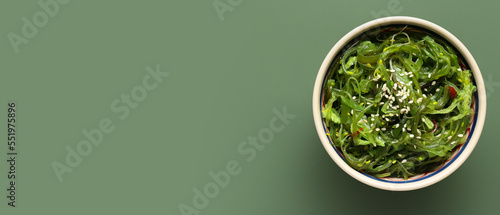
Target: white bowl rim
(481, 105)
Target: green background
(226, 77)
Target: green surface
(227, 81)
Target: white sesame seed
(381, 103)
(437, 90)
(400, 155)
(411, 135)
(360, 121)
(404, 129)
(425, 89)
(423, 120)
(383, 129)
(404, 126)
(411, 75)
(411, 101)
(373, 119)
(352, 111)
(418, 131)
(372, 125)
(433, 83)
(418, 137)
(377, 129)
(424, 95)
(453, 143)
(449, 138)
(415, 146)
(460, 135)
(429, 75)
(459, 69)
(397, 125)
(419, 100)
(354, 97)
(364, 120)
(403, 161)
(409, 129)
(391, 114)
(387, 119)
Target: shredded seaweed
(398, 107)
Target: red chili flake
(435, 126)
(453, 92)
(357, 132)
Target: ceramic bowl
(460, 154)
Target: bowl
(459, 154)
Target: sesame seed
(418, 137)
(460, 135)
(377, 129)
(410, 102)
(449, 138)
(423, 120)
(352, 111)
(373, 119)
(383, 129)
(372, 125)
(354, 97)
(419, 100)
(360, 121)
(414, 146)
(364, 120)
(397, 125)
(437, 90)
(424, 95)
(433, 83)
(429, 75)
(404, 129)
(404, 161)
(411, 135)
(387, 119)
(453, 143)
(425, 89)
